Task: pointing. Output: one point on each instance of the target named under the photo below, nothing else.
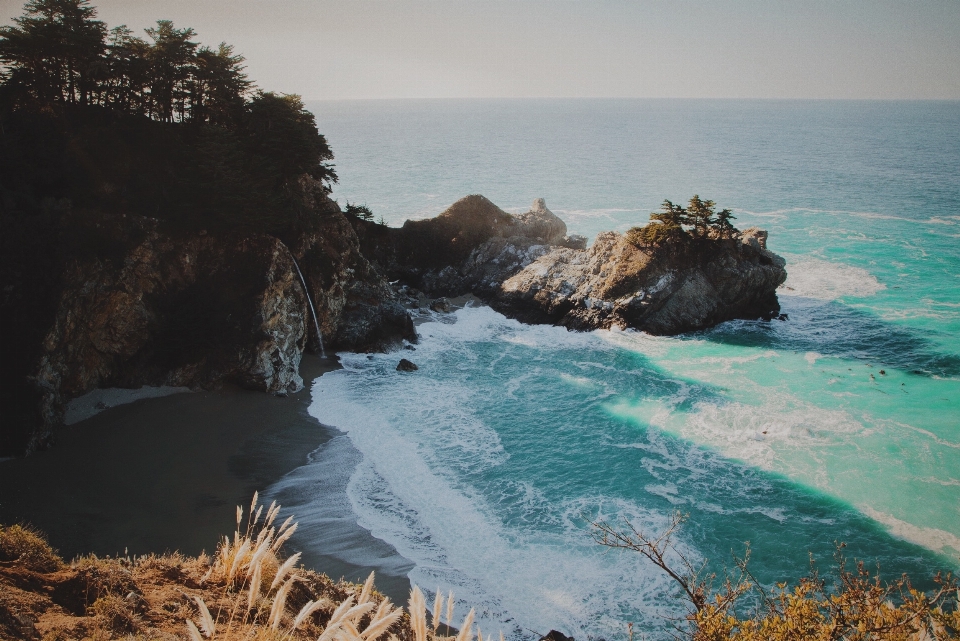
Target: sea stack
(616, 283)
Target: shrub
(117, 613)
(857, 606)
(28, 547)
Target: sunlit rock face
(615, 283)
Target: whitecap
(928, 537)
(824, 280)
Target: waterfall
(313, 311)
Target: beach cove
(166, 474)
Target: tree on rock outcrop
(360, 211)
(665, 227)
(700, 216)
(678, 227)
(723, 225)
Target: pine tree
(219, 86)
(723, 225)
(50, 53)
(700, 216)
(172, 59)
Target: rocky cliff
(194, 309)
(660, 291)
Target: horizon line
(731, 99)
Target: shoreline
(166, 474)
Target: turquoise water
(841, 423)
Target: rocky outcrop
(193, 310)
(615, 283)
(529, 268)
(356, 307)
(471, 247)
(185, 312)
(406, 366)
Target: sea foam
(824, 280)
(421, 445)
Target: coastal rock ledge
(615, 283)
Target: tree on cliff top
(177, 130)
(665, 227)
(279, 128)
(49, 53)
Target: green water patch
(875, 441)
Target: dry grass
(257, 586)
(247, 591)
(27, 547)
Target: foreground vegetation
(250, 590)
(247, 590)
(854, 606)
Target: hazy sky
(330, 49)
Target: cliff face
(615, 283)
(188, 312)
(195, 309)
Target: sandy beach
(164, 474)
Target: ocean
(484, 468)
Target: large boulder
(542, 224)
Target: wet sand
(165, 474)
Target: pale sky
(339, 49)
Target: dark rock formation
(194, 309)
(441, 305)
(188, 312)
(357, 308)
(406, 366)
(615, 283)
(471, 247)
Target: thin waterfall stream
(313, 311)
